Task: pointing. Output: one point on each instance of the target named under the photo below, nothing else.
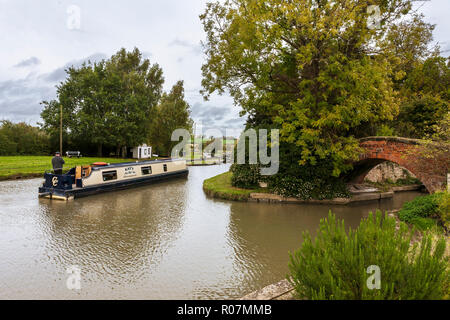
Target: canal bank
(220, 187)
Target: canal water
(163, 241)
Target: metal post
(193, 146)
(60, 130)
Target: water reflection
(164, 241)
(262, 234)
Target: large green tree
(108, 103)
(172, 113)
(317, 69)
(425, 94)
(422, 77)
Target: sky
(39, 39)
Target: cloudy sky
(39, 39)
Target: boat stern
(57, 186)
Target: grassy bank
(15, 167)
(220, 187)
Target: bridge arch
(431, 172)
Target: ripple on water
(163, 241)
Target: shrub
(334, 264)
(245, 176)
(317, 188)
(424, 211)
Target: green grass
(33, 166)
(220, 187)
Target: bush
(245, 176)
(305, 189)
(334, 264)
(424, 212)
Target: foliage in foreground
(334, 264)
(424, 212)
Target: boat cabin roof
(128, 164)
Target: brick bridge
(432, 173)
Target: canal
(163, 241)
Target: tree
(425, 98)
(108, 103)
(421, 76)
(172, 113)
(437, 144)
(313, 68)
(22, 139)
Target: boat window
(165, 167)
(146, 170)
(109, 175)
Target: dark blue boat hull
(119, 185)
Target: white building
(142, 152)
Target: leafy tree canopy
(172, 113)
(317, 69)
(109, 102)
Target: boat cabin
(100, 177)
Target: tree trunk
(118, 150)
(100, 150)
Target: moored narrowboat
(101, 177)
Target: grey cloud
(60, 73)
(195, 48)
(146, 55)
(208, 113)
(214, 117)
(28, 62)
(20, 99)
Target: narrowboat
(101, 177)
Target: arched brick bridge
(432, 173)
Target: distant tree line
(23, 139)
